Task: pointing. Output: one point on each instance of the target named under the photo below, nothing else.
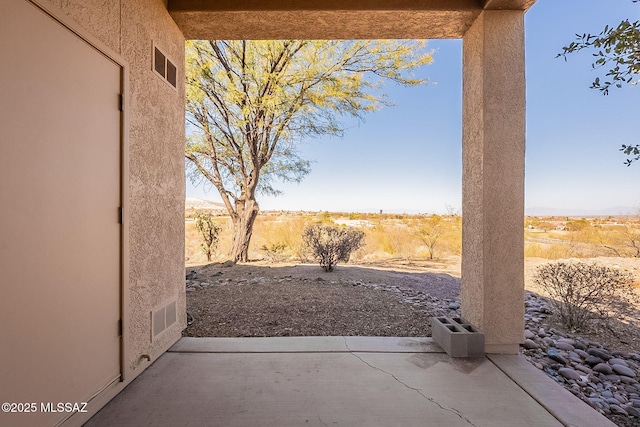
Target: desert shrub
(577, 224)
(545, 226)
(430, 233)
(326, 218)
(209, 231)
(274, 251)
(582, 293)
(331, 244)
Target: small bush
(209, 231)
(584, 292)
(430, 232)
(275, 251)
(332, 244)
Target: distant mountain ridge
(611, 211)
(193, 204)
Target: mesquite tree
(617, 47)
(250, 102)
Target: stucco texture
(493, 178)
(155, 185)
(156, 175)
(331, 19)
(100, 17)
(324, 24)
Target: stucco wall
(100, 17)
(155, 209)
(493, 178)
(156, 170)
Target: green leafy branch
(619, 49)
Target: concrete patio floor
(340, 381)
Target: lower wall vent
(162, 318)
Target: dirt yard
(392, 298)
(257, 299)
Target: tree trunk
(242, 230)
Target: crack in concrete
(417, 390)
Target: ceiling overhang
(331, 19)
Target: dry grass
(547, 251)
(192, 241)
(278, 236)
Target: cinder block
(457, 337)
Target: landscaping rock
(623, 370)
(617, 361)
(618, 410)
(564, 346)
(602, 354)
(603, 368)
(605, 379)
(569, 374)
(593, 360)
(555, 355)
(634, 412)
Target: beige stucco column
(493, 178)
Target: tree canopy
(616, 48)
(249, 103)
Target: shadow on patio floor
(348, 381)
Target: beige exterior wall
(155, 201)
(493, 178)
(104, 26)
(156, 175)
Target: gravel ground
(252, 300)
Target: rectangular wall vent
(172, 74)
(171, 315)
(159, 62)
(158, 321)
(164, 68)
(162, 318)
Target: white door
(60, 243)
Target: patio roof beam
(331, 19)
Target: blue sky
(407, 158)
